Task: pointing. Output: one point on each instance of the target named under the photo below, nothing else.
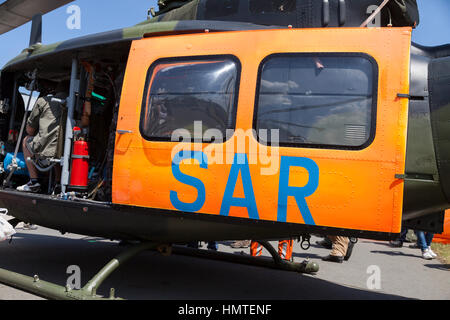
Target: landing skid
(276, 262)
(52, 291)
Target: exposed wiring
(94, 192)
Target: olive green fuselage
(425, 173)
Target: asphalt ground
(375, 271)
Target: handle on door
(124, 131)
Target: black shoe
(193, 245)
(396, 243)
(351, 244)
(326, 243)
(57, 189)
(212, 248)
(333, 259)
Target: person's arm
(31, 131)
(33, 121)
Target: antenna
(36, 29)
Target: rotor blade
(14, 13)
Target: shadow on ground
(396, 253)
(445, 267)
(153, 276)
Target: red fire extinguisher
(80, 163)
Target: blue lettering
(191, 181)
(240, 164)
(299, 193)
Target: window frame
(374, 109)
(190, 59)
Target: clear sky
(104, 15)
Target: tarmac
(375, 271)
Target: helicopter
(231, 120)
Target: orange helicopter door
(300, 126)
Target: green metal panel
(439, 87)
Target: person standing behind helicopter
(42, 130)
(341, 248)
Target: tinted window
(318, 100)
(271, 6)
(221, 8)
(181, 92)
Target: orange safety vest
(284, 249)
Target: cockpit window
(318, 100)
(181, 93)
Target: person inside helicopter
(41, 141)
